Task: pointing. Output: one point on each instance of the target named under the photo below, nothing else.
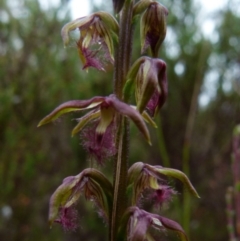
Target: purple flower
(151, 87)
(95, 44)
(100, 139)
(92, 184)
(146, 177)
(153, 27)
(138, 223)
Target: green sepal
(109, 21)
(147, 118)
(105, 33)
(146, 84)
(69, 106)
(77, 23)
(175, 174)
(134, 172)
(60, 198)
(153, 23)
(141, 6)
(131, 76)
(107, 115)
(85, 120)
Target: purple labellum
(101, 147)
(96, 55)
(68, 218)
(162, 195)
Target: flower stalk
(123, 58)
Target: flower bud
(149, 76)
(153, 27)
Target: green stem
(123, 52)
(122, 65)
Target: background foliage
(37, 74)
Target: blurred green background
(195, 125)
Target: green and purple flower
(100, 139)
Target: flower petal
(85, 120)
(140, 221)
(109, 21)
(141, 6)
(169, 224)
(147, 118)
(131, 76)
(72, 105)
(78, 23)
(134, 115)
(107, 114)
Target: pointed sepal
(134, 115)
(174, 173)
(83, 121)
(92, 183)
(144, 176)
(69, 106)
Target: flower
(153, 24)
(95, 44)
(138, 223)
(150, 79)
(90, 182)
(103, 111)
(153, 27)
(143, 176)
